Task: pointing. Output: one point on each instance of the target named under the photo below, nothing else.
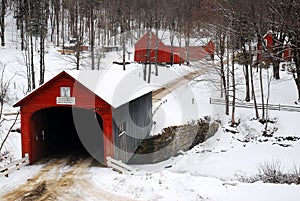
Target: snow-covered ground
(208, 171)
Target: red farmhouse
(269, 43)
(169, 54)
(86, 110)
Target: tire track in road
(65, 179)
(50, 170)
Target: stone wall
(173, 139)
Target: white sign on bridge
(65, 100)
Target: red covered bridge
(86, 110)
(167, 53)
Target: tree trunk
(227, 68)
(262, 93)
(52, 22)
(32, 62)
(124, 52)
(149, 73)
(77, 38)
(147, 59)
(276, 69)
(123, 34)
(246, 61)
(247, 98)
(57, 11)
(2, 22)
(296, 74)
(172, 47)
(42, 59)
(181, 54)
(28, 70)
(267, 104)
(187, 44)
(233, 92)
(224, 86)
(145, 71)
(22, 36)
(253, 93)
(156, 49)
(77, 53)
(63, 29)
(92, 35)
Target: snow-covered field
(208, 171)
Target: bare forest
(234, 25)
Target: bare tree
(4, 89)
(9, 131)
(269, 80)
(4, 86)
(30, 43)
(92, 33)
(233, 122)
(263, 118)
(158, 15)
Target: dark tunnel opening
(63, 130)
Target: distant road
(158, 94)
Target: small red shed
(95, 110)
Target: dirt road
(64, 178)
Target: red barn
(168, 54)
(86, 110)
(149, 42)
(287, 53)
(268, 45)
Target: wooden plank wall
(138, 118)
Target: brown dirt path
(65, 179)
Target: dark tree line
(98, 22)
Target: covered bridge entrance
(75, 110)
(55, 130)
